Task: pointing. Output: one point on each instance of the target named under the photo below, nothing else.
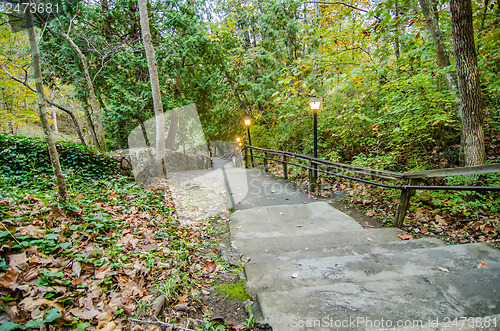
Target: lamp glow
(315, 103)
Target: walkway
(311, 267)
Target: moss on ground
(234, 291)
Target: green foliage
(17, 103)
(50, 316)
(28, 159)
(469, 204)
(386, 103)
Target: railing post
(285, 166)
(265, 162)
(404, 204)
(246, 157)
(312, 178)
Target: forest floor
(115, 260)
(116, 256)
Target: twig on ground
(159, 323)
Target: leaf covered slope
(93, 262)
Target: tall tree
(468, 82)
(42, 109)
(443, 61)
(93, 99)
(155, 83)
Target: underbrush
(29, 156)
(106, 257)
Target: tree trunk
(91, 125)
(468, 82)
(443, 62)
(107, 20)
(54, 114)
(155, 83)
(42, 110)
(93, 98)
(54, 121)
(442, 55)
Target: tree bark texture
(93, 98)
(468, 82)
(54, 115)
(42, 110)
(155, 82)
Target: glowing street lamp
(248, 121)
(315, 104)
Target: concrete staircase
(311, 267)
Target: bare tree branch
(69, 112)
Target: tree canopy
(386, 96)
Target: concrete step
(380, 241)
(295, 220)
(324, 244)
(390, 262)
(256, 189)
(379, 304)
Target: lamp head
(238, 139)
(315, 103)
(247, 121)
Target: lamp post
(315, 104)
(248, 121)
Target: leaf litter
(99, 262)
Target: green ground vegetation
(115, 244)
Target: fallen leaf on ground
(482, 264)
(100, 273)
(84, 313)
(210, 266)
(18, 262)
(31, 304)
(406, 236)
(371, 213)
(76, 268)
(441, 220)
(8, 280)
(31, 230)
